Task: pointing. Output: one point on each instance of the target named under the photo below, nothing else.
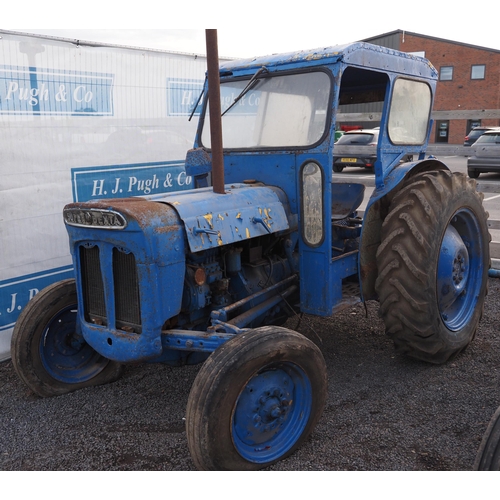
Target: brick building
(468, 90)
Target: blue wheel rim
(271, 413)
(460, 270)
(64, 354)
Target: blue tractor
(207, 276)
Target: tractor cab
(279, 117)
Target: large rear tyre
(48, 353)
(433, 265)
(255, 400)
(488, 455)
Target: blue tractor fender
(375, 213)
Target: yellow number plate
(349, 160)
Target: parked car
(367, 140)
(475, 134)
(485, 154)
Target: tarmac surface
(384, 411)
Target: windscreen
(277, 112)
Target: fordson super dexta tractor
(205, 276)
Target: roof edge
(429, 37)
(86, 43)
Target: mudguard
(374, 217)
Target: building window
(472, 124)
(477, 72)
(442, 130)
(446, 73)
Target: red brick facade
(462, 92)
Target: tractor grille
(93, 289)
(125, 285)
(127, 300)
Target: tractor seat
(346, 198)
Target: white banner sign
(77, 123)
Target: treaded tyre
(433, 265)
(255, 400)
(48, 354)
(488, 454)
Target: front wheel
(488, 454)
(473, 174)
(433, 265)
(48, 353)
(255, 400)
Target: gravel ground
(384, 411)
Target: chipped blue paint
(183, 241)
(213, 220)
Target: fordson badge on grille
(94, 218)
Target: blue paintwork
(460, 270)
(353, 54)
(399, 174)
(212, 220)
(154, 234)
(168, 232)
(320, 283)
(271, 412)
(64, 354)
(211, 266)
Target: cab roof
(360, 54)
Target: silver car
(485, 154)
(365, 153)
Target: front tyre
(48, 353)
(433, 265)
(255, 400)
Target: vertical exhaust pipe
(215, 113)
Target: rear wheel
(473, 174)
(255, 400)
(48, 353)
(337, 168)
(433, 265)
(488, 455)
